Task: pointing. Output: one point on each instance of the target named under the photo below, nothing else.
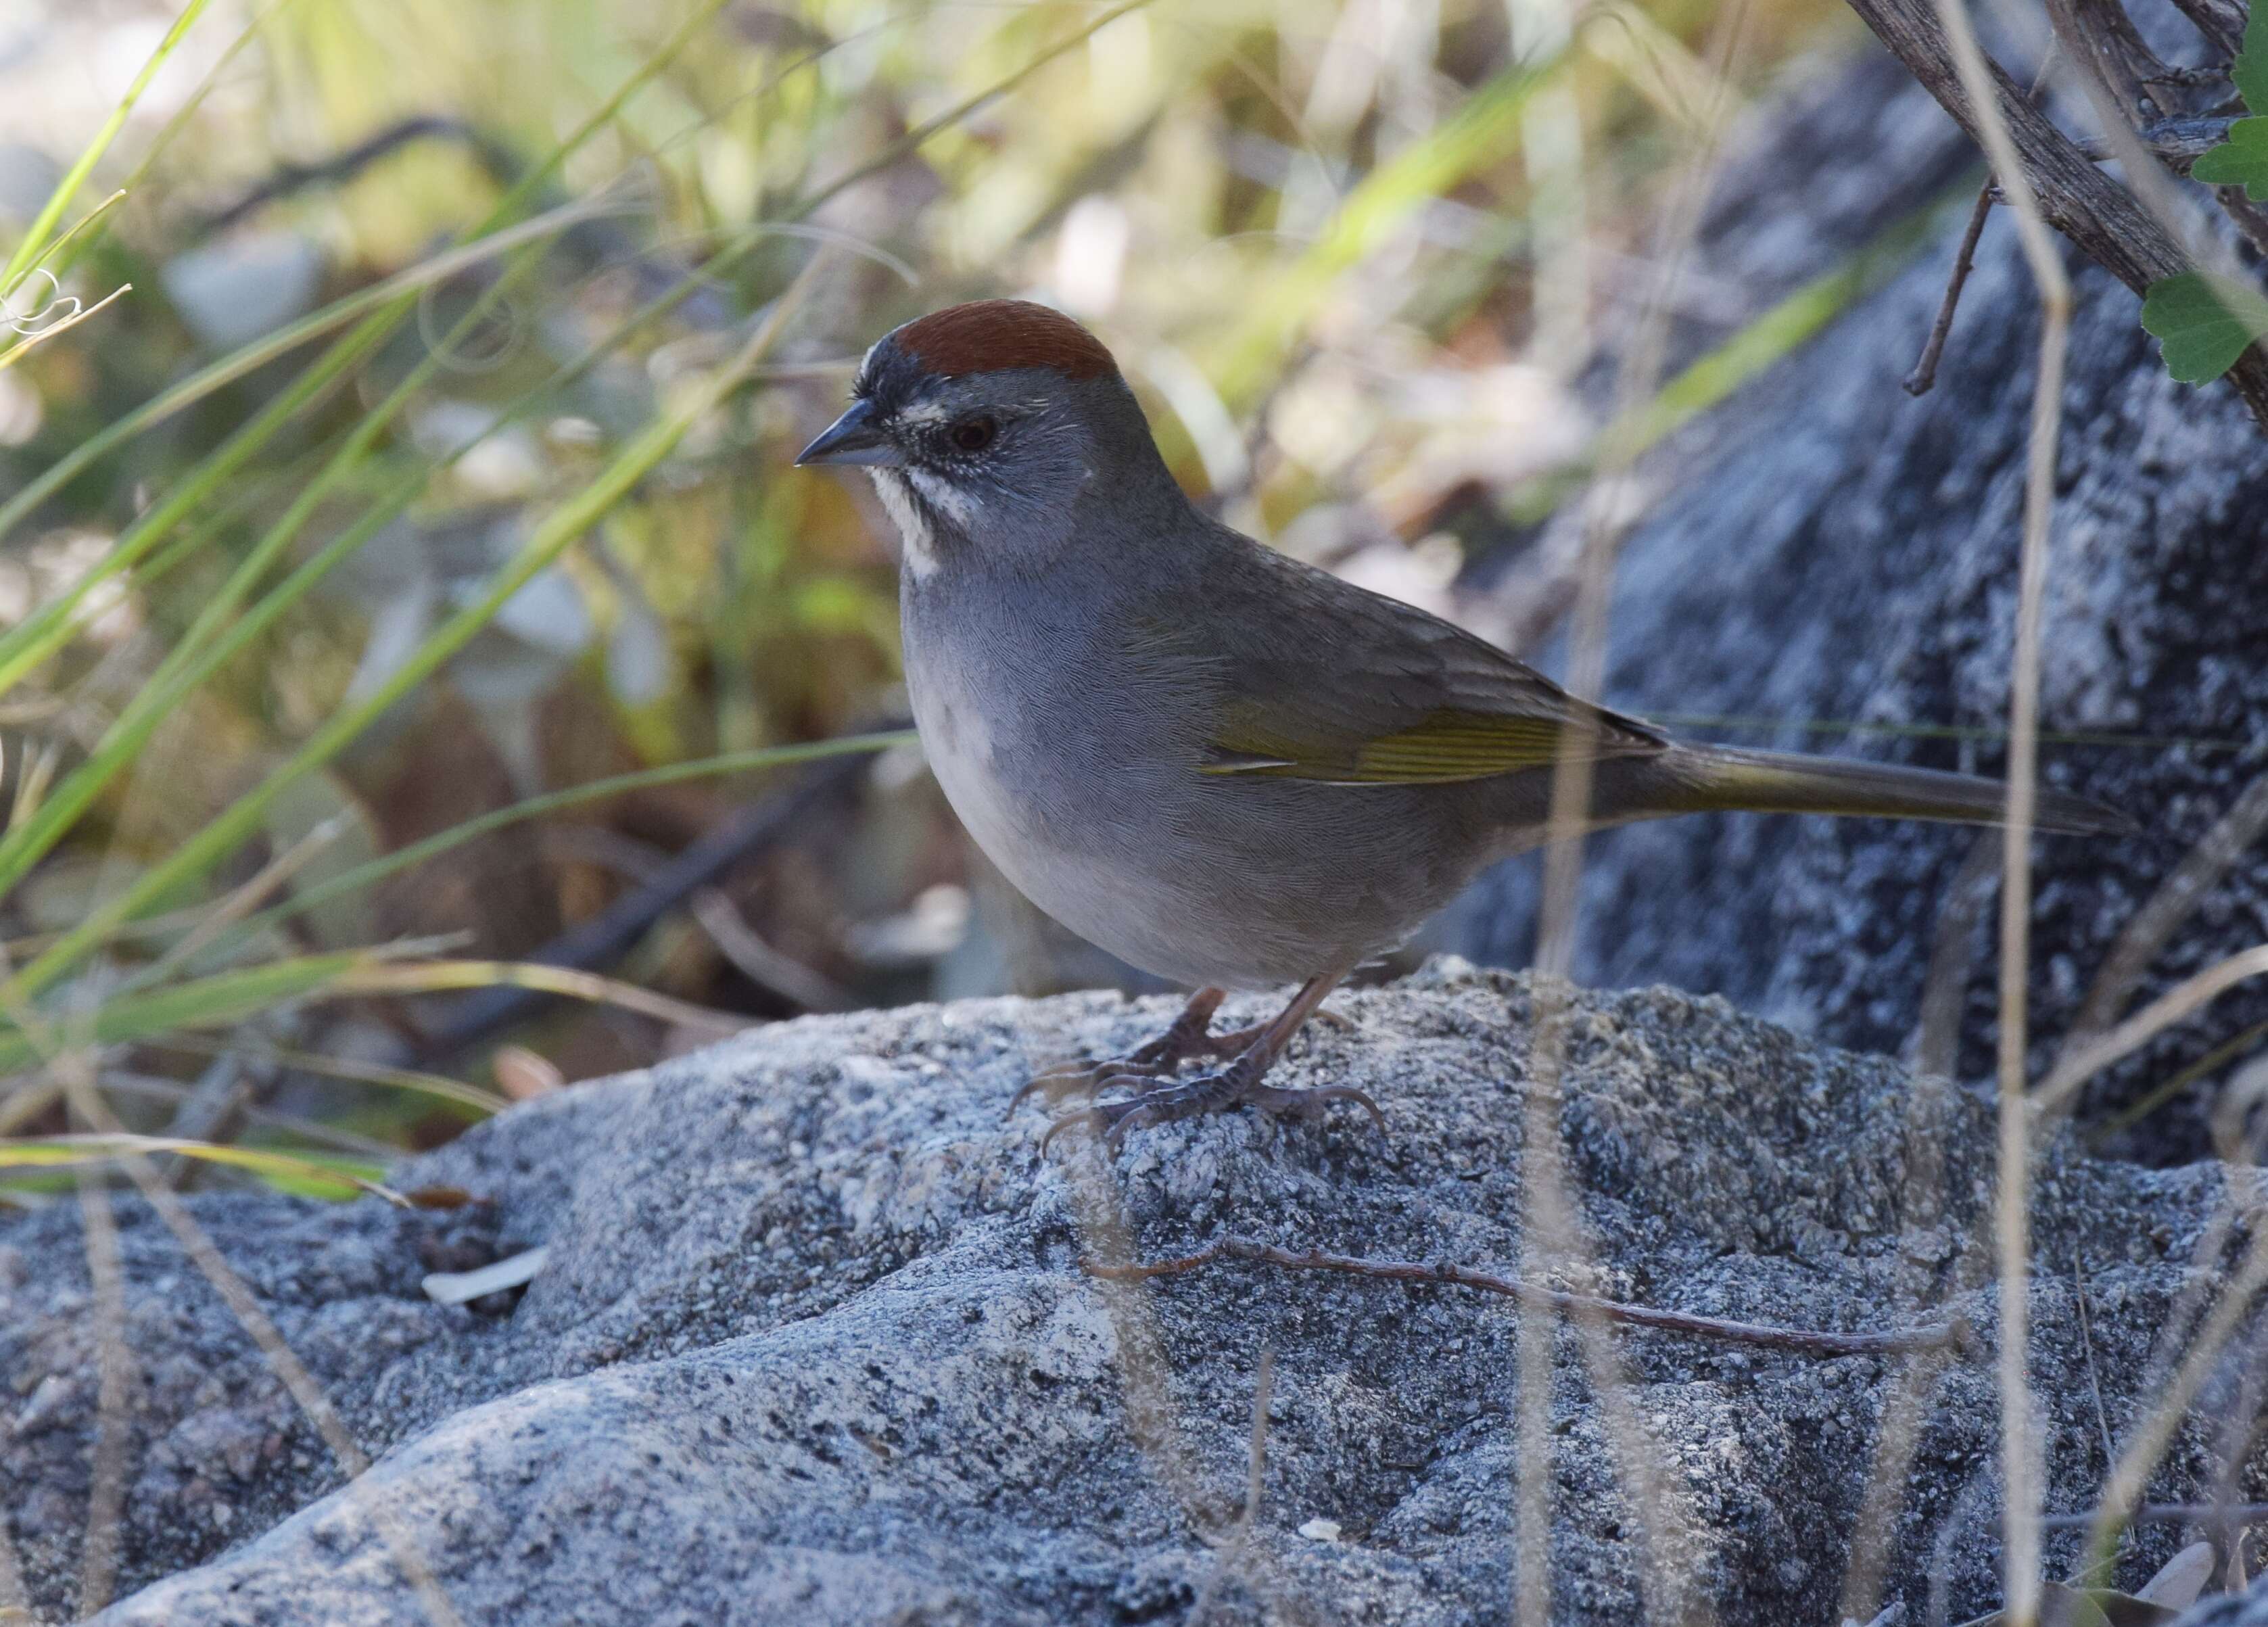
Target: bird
(1228, 767)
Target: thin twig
(740, 944)
(1804, 1341)
(610, 933)
(1922, 378)
(2106, 221)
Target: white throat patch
(913, 525)
(897, 487)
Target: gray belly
(1201, 879)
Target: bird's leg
(1188, 1036)
(1242, 1081)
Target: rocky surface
(1825, 547)
(2246, 1609)
(813, 1343)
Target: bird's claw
(1156, 1059)
(1087, 1078)
(1207, 1092)
(1309, 1103)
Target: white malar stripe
(913, 526)
(948, 498)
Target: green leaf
(2240, 161)
(2250, 68)
(2205, 322)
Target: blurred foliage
(272, 608)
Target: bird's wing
(1335, 684)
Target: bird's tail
(1720, 777)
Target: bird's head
(984, 427)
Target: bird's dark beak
(852, 438)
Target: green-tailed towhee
(1226, 767)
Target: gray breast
(1070, 754)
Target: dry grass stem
(106, 1497)
(1874, 1528)
(2066, 1078)
(428, 976)
(2086, 1347)
(241, 901)
(2154, 925)
(1551, 1230)
(1231, 1554)
(153, 1088)
(246, 1043)
(1952, 958)
(300, 1384)
(33, 338)
(1146, 1376)
(2147, 1445)
(2021, 1469)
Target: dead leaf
(523, 1075)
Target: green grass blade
(563, 526)
(34, 241)
(1484, 131)
(67, 250)
(1783, 327)
(376, 870)
(198, 656)
(39, 635)
(341, 465)
(309, 1175)
(213, 1002)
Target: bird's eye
(974, 434)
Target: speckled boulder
(813, 1343)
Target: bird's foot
(1155, 1060)
(1242, 1082)
(1187, 1038)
